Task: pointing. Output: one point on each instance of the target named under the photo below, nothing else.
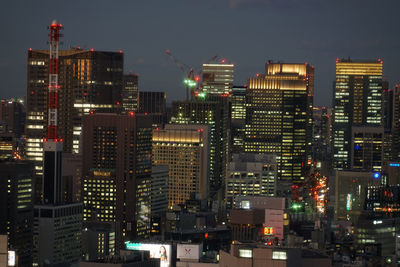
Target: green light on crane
(190, 83)
(202, 95)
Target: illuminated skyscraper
(185, 150)
(238, 124)
(357, 102)
(279, 116)
(117, 172)
(214, 112)
(217, 78)
(88, 80)
(130, 92)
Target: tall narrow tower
(52, 145)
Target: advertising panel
(189, 251)
(11, 258)
(158, 251)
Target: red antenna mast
(53, 81)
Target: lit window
(246, 253)
(279, 255)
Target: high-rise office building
(279, 116)
(130, 92)
(57, 225)
(57, 234)
(87, 80)
(16, 208)
(250, 175)
(12, 113)
(214, 112)
(396, 124)
(185, 150)
(238, 123)
(117, 172)
(217, 78)
(357, 102)
(367, 148)
(153, 104)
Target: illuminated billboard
(268, 230)
(158, 251)
(11, 258)
(189, 251)
(348, 202)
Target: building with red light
(130, 92)
(87, 80)
(279, 117)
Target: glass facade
(357, 102)
(279, 116)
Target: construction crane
(189, 80)
(192, 80)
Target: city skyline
(262, 29)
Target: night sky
(245, 32)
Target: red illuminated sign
(268, 230)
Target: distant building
(379, 223)
(126, 259)
(88, 80)
(154, 105)
(392, 172)
(213, 112)
(260, 218)
(16, 208)
(238, 123)
(185, 150)
(367, 148)
(357, 102)
(98, 241)
(7, 146)
(130, 92)
(371, 230)
(57, 234)
(12, 113)
(116, 183)
(159, 189)
(258, 255)
(72, 177)
(396, 124)
(279, 117)
(350, 192)
(250, 175)
(217, 78)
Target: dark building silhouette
(154, 105)
(116, 184)
(16, 208)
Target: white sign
(11, 258)
(189, 251)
